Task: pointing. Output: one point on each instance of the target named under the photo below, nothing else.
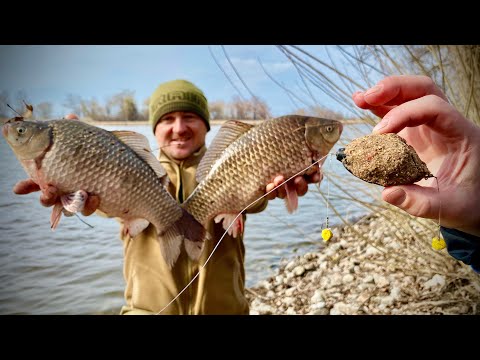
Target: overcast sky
(47, 73)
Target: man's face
(179, 134)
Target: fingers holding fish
(313, 174)
(279, 192)
(71, 117)
(314, 178)
(300, 183)
(91, 205)
(48, 197)
(24, 187)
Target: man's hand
(416, 109)
(313, 175)
(49, 196)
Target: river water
(78, 270)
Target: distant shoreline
(212, 122)
(133, 122)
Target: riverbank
(212, 122)
(387, 270)
(122, 123)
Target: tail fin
(170, 242)
(194, 235)
(187, 229)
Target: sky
(48, 73)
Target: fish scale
(118, 167)
(130, 184)
(240, 174)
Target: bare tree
(217, 109)
(260, 109)
(144, 112)
(74, 104)
(239, 107)
(122, 106)
(93, 110)
(129, 109)
(4, 100)
(43, 110)
(20, 99)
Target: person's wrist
(463, 246)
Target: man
(179, 118)
(180, 121)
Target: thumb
(414, 199)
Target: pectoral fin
(74, 202)
(187, 230)
(291, 200)
(227, 220)
(56, 215)
(69, 204)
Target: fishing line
(328, 196)
(83, 221)
(231, 224)
(327, 232)
(437, 242)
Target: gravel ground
(373, 267)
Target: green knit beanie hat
(178, 95)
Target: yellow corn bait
(326, 234)
(438, 243)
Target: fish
(242, 159)
(80, 159)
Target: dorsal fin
(139, 144)
(227, 134)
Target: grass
(455, 69)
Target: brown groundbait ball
(384, 159)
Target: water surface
(78, 270)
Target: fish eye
(329, 128)
(21, 130)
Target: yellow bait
(326, 234)
(438, 243)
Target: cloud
(251, 71)
(253, 65)
(278, 67)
